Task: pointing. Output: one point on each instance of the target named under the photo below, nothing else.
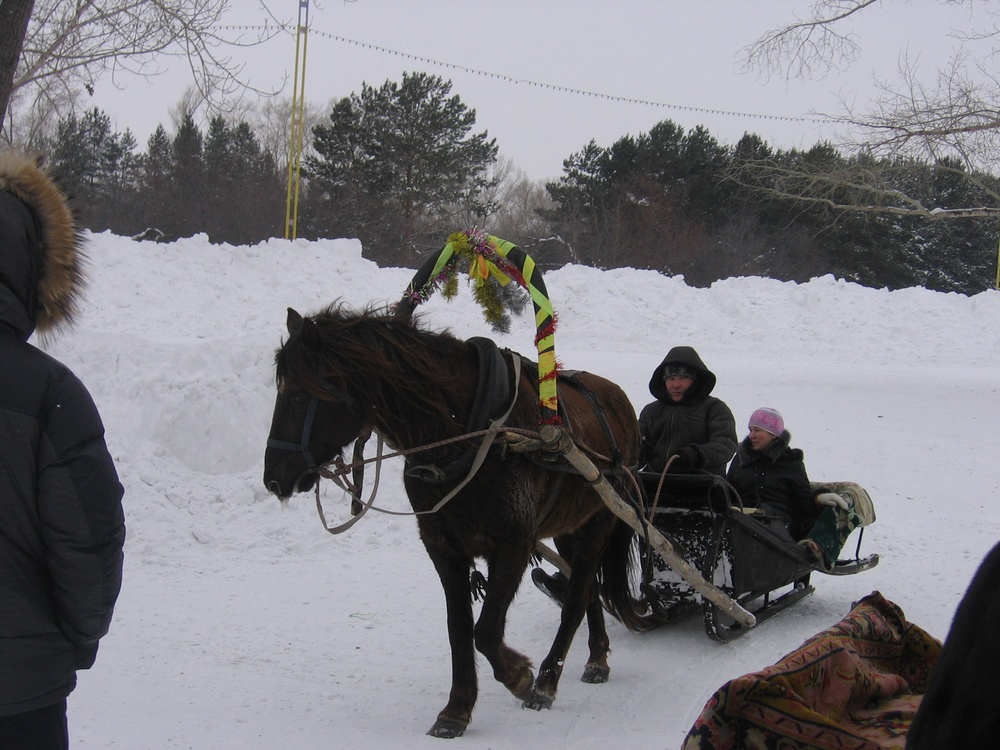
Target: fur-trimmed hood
(41, 258)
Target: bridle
(302, 447)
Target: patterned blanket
(855, 686)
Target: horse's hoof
(525, 687)
(538, 700)
(448, 729)
(595, 675)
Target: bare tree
(271, 117)
(896, 187)
(811, 46)
(954, 117)
(508, 205)
(956, 114)
(72, 45)
(519, 202)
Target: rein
(359, 509)
(337, 476)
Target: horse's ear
(309, 334)
(293, 322)
(310, 340)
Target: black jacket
(61, 521)
(775, 480)
(701, 420)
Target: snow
(244, 625)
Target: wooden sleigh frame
(738, 550)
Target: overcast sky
(674, 59)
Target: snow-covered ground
(242, 626)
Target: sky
(546, 77)
(245, 626)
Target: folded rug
(854, 686)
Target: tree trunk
(14, 15)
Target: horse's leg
(580, 599)
(510, 667)
(455, 716)
(596, 670)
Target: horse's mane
(387, 363)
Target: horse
(340, 373)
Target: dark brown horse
(340, 373)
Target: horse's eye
(297, 398)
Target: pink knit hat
(768, 420)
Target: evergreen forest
(401, 166)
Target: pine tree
(154, 184)
(243, 192)
(187, 208)
(159, 158)
(650, 201)
(394, 161)
(97, 167)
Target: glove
(832, 500)
(687, 458)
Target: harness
(493, 396)
(493, 401)
(551, 501)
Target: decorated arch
(492, 264)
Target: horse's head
(313, 419)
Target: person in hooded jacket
(686, 423)
(61, 522)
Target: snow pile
(244, 626)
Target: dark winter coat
(700, 421)
(775, 480)
(61, 521)
(959, 707)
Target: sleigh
(735, 548)
(740, 569)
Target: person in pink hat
(771, 475)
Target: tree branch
(808, 47)
(71, 45)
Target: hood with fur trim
(41, 258)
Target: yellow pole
(297, 124)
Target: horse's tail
(617, 566)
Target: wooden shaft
(551, 556)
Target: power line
(543, 85)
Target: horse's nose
(273, 487)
